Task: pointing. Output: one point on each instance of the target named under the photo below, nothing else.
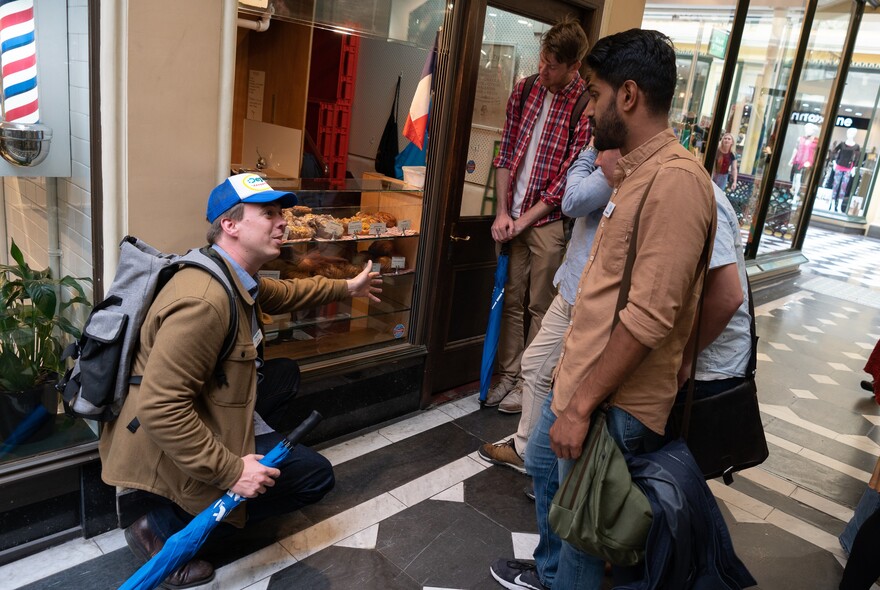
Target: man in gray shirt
(587, 191)
(725, 335)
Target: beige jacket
(193, 432)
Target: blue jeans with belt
(561, 565)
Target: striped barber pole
(18, 60)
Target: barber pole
(18, 59)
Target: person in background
(530, 179)
(587, 191)
(724, 174)
(872, 368)
(184, 437)
(630, 361)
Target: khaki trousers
(538, 362)
(535, 255)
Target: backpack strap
(526, 91)
(576, 112)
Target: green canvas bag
(598, 508)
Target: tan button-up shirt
(677, 216)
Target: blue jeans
(560, 565)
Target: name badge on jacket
(609, 209)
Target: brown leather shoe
(144, 543)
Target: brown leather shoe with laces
(144, 543)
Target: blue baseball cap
(244, 188)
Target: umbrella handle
(303, 429)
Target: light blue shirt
(728, 355)
(586, 194)
(249, 282)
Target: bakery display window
(334, 232)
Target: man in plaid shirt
(534, 156)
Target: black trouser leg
(863, 567)
(276, 390)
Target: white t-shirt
(524, 174)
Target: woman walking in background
(725, 163)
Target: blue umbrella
(25, 429)
(493, 329)
(184, 544)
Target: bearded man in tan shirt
(631, 365)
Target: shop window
(857, 111)
(751, 115)
(45, 208)
(798, 159)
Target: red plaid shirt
(548, 172)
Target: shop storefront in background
(826, 149)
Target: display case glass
(334, 231)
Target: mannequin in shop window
(725, 164)
(845, 155)
(803, 157)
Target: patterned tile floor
(416, 508)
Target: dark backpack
(96, 386)
(576, 111)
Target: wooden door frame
(450, 127)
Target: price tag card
(377, 229)
(334, 229)
(376, 267)
(270, 274)
(355, 227)
(398, 262)
(404, 224)
(286, 233)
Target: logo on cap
(255, 183)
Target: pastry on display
(306, 225)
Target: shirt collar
(572, 86)
(630, 163)
(250, 283)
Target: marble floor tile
(365, 539)
(839, 367)
(415, 425)
(763, 357)
(261, 585)
(805, 531)
(875, 420)
(841, 513)
(768, 480)
(461, 407)
(836, 465)
(524, 545)
(860, 442)
(435, 482)
(111, 541)
(856, 356)
(842, 316)
(803, 393)
(253, 568)
(741, 515)
(732, 497)
(354, 448)
(36, 567)
(814, 329)
(779, 346)
(788, 415)
(827, 322)
(823, 379)
(782, 443)
(453, 494)
(340, 526)
(866, 345)
(799, 337)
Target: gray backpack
(96, 386)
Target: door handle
(455, 238)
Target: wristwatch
(589, 148)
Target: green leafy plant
(33, 325)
